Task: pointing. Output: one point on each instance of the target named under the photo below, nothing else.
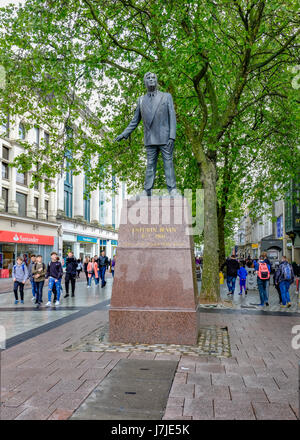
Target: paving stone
(241, 370)
(68, 401)
(232, 380)
(273, 411)
(210, 368)
(212, 392)
(199, 409)
(175, 402)
(34, 414)
(248, 395)
(60, 414)
(199, 378)
(260, 381)
(182, 390)
(10, 413)
(172, 413)
(233, 410)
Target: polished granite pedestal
(154, 295)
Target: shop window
(21, 131)
(5, 198)
(22, 201)
(36, 205)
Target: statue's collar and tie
(152, 93)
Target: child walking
(242, 274)
(20, 275)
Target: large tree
(222, 61)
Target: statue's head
(150, 81)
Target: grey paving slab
(135, 389)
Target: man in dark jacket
(232, 270)
(54, 273)
(71, 271)
(102, 265)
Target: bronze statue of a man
(156, 109)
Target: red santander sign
(21, 237)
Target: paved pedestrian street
(42, 378)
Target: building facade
(33, 221)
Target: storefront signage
(254, 245)
(21, 237)
(114, 243)
(86, 239)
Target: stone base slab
(146, 326)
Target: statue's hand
(170, 143)
(119, 138)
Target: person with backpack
(262, 269)
(102, 266)
(242, 274)
(54, 273)
(39, 273)
(19, 275)
(30, 276)
(284, 276)
(71, 271)
(232, 270)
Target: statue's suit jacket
(159, 121)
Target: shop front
(14, 244)
(87, 246)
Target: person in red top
(92, 269)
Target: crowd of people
(37, 272)
(284, 277)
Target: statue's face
(151, 81)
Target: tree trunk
(221, 234)
(210, 289)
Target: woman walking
(93, 272)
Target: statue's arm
(172, 118)
(133, 123)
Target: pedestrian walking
(85, 269)
(262, 270)
(79, 267)
(285, 277)
(232, 269)
(20, 275)
(242, 274)
(93, 272)
(39, 272)
(54, 273)
(30, 276)
(102, 264)
(276, 283)
(113, 264)
(71, 270)
(266, 260)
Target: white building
(33, 221)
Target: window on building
(22, 201)
(21, 131)
(4, 165)
(37, 135)
(47, 208)
(5, 170)
(36, 205)
(113, 203)
(5, 153)
(68, 189)
(102, 207)
(5, 198)
(3, 124)
(21, 178)
(46, 138)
